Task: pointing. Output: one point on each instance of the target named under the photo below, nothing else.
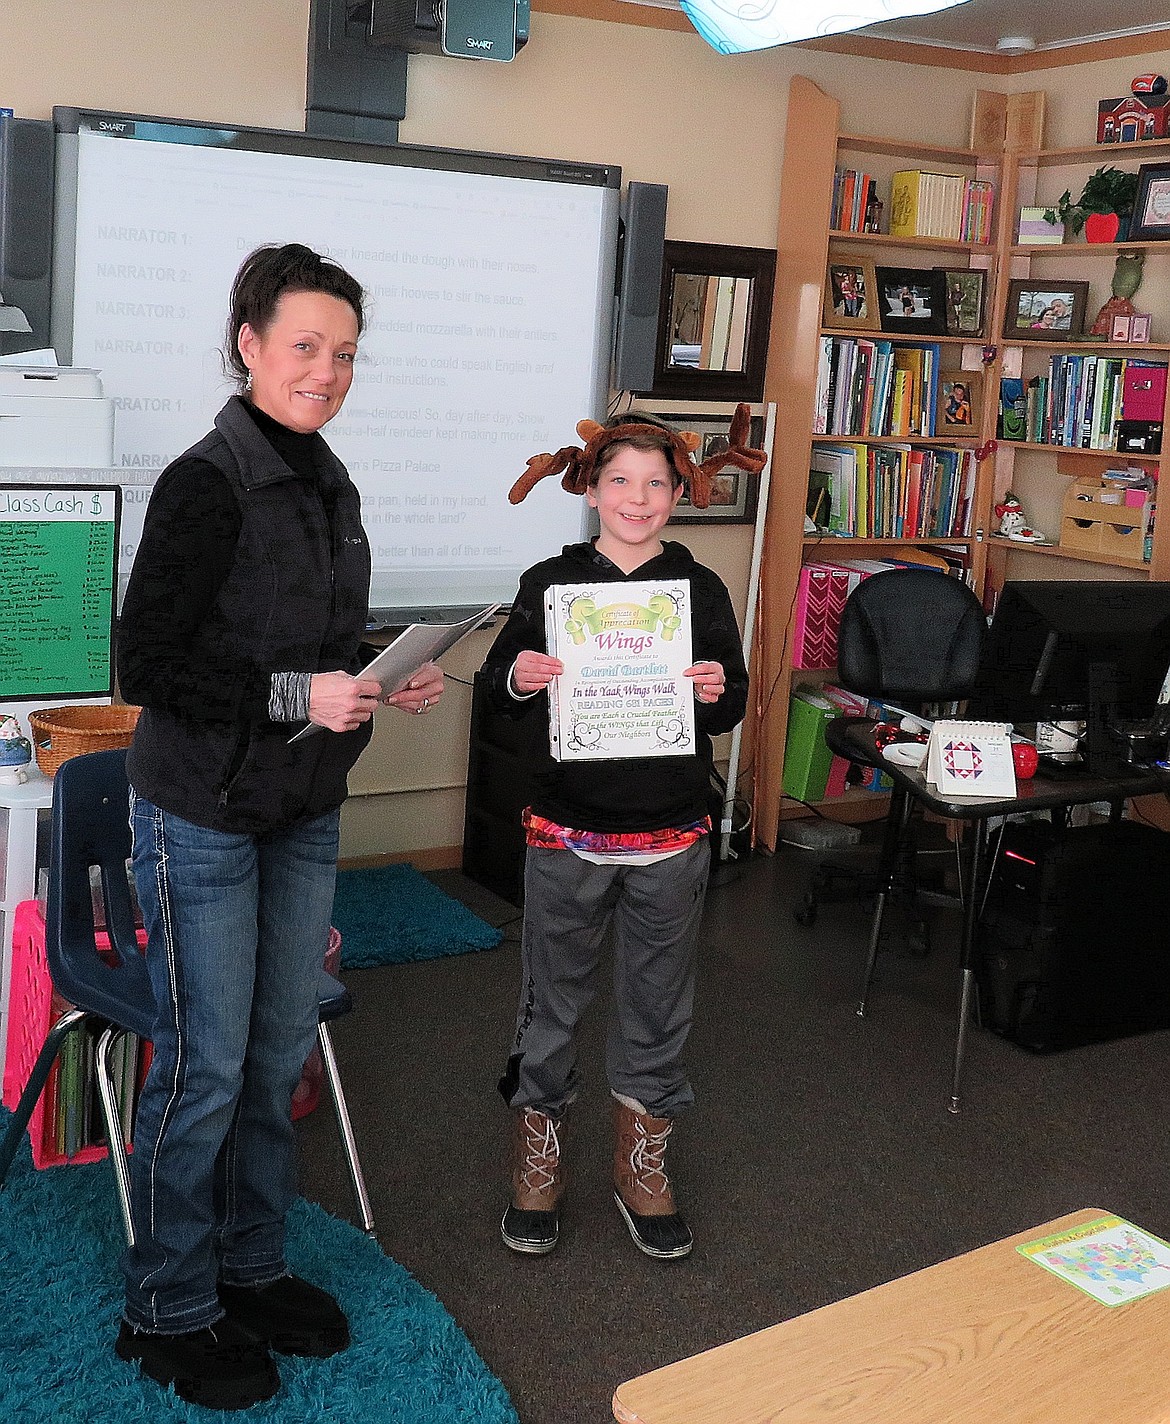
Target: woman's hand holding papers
(341, 702)
(422, 691)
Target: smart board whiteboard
(489, 324)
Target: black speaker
(1071, 939)
(26, 227)
(639, 286)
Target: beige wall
(660, 103)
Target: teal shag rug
(60, 1238)
(394, 915)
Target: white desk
(20, 807)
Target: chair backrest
(90, 827)
(911, 636)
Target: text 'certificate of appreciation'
(625, 647)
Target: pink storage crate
(31, 1014)
(308, 1090)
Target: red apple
(1026, 759)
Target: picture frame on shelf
(912, 300)
(1120, 328)
(1044, 311)
(1139, 327)
(960, 398)
(851, 295)
(966, 289)
(1151, 206)
(734, 493)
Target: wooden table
(985, 1338)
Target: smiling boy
(614, 844)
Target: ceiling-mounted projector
(465, 29)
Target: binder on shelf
(1143, 391)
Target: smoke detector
(1015, 44)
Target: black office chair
(111, 992)
(910, 637)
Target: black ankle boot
(219, 1367)
(290, 1315)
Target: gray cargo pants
(569, 905)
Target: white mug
(1058, 736)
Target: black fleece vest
(295, 601)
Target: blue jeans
(237, 930)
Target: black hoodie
(637, 793)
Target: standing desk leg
(967, 958)
(896, 820)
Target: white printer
(54, 415)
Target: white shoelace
(646, 1158)
(544, 1148)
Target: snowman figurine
(1013, 525)
(15, 752)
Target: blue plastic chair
(113, 994)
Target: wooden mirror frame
(705, 259)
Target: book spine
(904, 203)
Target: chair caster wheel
(806, 912)
(918, 942)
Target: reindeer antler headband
(579, 464)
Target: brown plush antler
(579, 464)
(738, 453)
(568, 457)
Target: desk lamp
(735, 26)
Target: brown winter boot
(641, 1186)
(530, 1223)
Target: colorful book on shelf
(837, 465)
(907, 391)
(824, 387)
(1012, 409)
(905, 198)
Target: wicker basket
(63, 732)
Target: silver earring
(248, 382)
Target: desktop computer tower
(1072, 941)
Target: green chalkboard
(58, 560)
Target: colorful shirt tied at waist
(547, 835)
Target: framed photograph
(1121, 328)
(965, 287)
(1044, 311)
(734, 493)
(960, 395)
(1139, 326)
(912, 300)
(851, 295)
(1151, 207)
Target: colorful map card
(625, 647)
(1110, 1259)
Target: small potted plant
(1103, 209)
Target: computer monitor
(1093, 651)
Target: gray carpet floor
(820, 1159)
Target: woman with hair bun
(243, 620)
